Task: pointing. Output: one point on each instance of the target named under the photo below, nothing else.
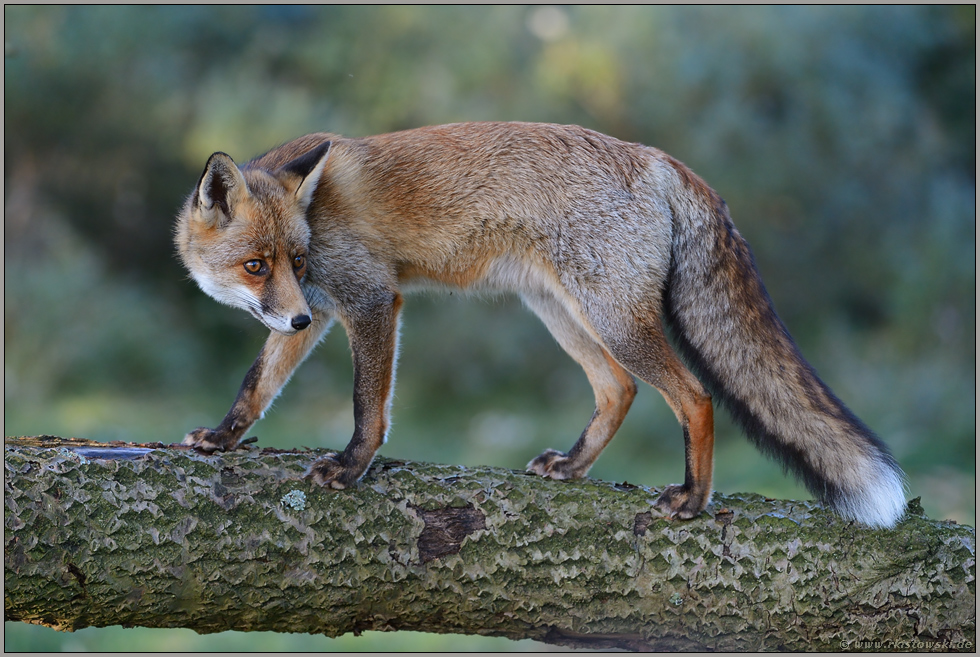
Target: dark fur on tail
(727, 331)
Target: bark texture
(159, 536)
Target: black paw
(330, 472)
(211, 440)
(554, 465)
(681, 503)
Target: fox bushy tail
(729, 334)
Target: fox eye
(254, 266)
(299, 262)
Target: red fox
(606, 241)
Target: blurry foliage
(842, 138)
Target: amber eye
(254, 266)
(299, 262)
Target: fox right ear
(221, 187)
(308, 168)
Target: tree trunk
(161, 536)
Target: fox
(617, 247)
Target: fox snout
(282, 321)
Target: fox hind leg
(648, 355)
(613, 386)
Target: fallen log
(162, 536)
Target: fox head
(244, 237)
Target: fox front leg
(373, 335)
(242, 415)
(279, 358)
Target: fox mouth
(285, 329)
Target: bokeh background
(842, 138)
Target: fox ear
(308, 167)
(222, 186)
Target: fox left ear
(308, 167)
(220, 189)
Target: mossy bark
(99, 535)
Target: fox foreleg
(373, 333)
(279, 358)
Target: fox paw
(210, 440)
(554, 465)
(680, 503)
(328, 471)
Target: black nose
(300, 322)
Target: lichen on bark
(159, 536)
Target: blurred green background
(842, 138)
